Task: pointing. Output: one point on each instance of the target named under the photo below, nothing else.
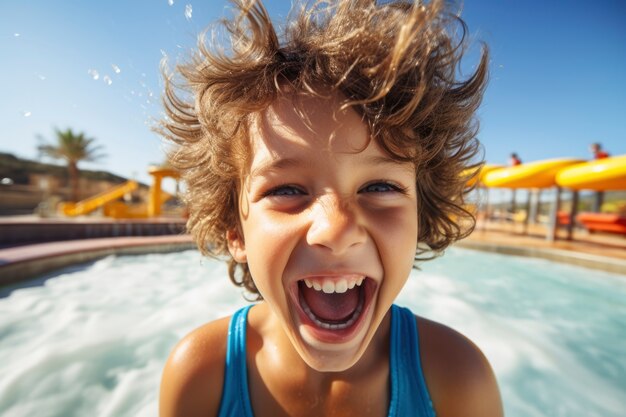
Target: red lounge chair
(603, 222)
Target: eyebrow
(275, 165)
(285, 163)
(383, 160)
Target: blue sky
(556, 83)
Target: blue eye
(284, 191)
(380, 187)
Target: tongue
(334, 307)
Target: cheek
(272, 234)
(396, 239)
(398, 228)
(269, 244)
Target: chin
(329, 360)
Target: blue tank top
(409, 395)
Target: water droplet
(163, 53)
(41, 77)
(26, 113)
(170, 2)
(16, 35)
(107, 80)
(188, 11)
(116, 68)
(93, 73)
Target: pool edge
(25, 263)
(597, 262)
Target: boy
(597, 151)
(514, 160)
(317, 164)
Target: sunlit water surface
(92, 340)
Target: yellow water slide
(600, 175)
(90, 204)
(478, 174)
(538, 174)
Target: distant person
(597, 151)
(514, 160)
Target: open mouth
(334, 304)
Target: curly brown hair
(396, 64)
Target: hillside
(18, 170)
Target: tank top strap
(409, 394)
(235, 398)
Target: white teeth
(341, 286)
(329, 286)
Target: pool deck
(597, 251)
(601, 251)
(30, 230)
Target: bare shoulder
(192, 379)
(459, 377)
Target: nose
(335, 224)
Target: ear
(236, 246)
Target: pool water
(92, 340)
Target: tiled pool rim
(22, 263)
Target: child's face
(320, 209)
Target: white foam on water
(531, 319)
(188, 11)
(93, 340)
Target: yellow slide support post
(156, 199)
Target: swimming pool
(92, 340)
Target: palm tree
(73, 148)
